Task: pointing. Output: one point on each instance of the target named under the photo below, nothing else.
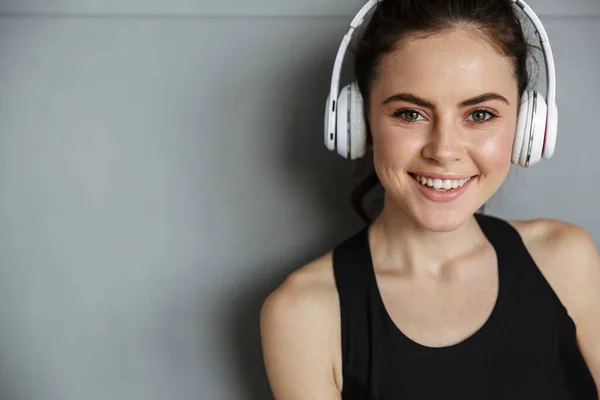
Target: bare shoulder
(551, 232)
(300, 333)
(557, 240)
(567, 256)
(305, 295)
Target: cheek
(495, 153)
(394, 146)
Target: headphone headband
(540, 31)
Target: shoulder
(300, 331)
(303, 292)
(558, 240)
(554, 235)
(568, 257)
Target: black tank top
(526, 349)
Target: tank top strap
(361, 316)
(519, 274)
(505, 239)
(350, 259)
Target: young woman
(433, 300)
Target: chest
(442, 311)
(493, 365)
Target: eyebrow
(410, 98)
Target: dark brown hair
(395, 20)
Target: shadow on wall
(9, 391)
(324, 180)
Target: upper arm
(297, 343)
(583, 293)
(568, 257)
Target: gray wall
(162, 170)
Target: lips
(440, 195)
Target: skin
(433, 253)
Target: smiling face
(443, 107)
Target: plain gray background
(162, 170)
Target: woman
(433, 300)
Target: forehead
(456, 63)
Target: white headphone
(345, 128)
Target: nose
(444, 144)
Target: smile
(442, 190)
(441, 184)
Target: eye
(479, 116)
(409, 115)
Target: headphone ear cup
(342, 136)
(538, 128)
(358, 127)
(520, 135)
(351, 136)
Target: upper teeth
(446, 184)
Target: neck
(399, 242)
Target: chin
(441, 220)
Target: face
(443, 109)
